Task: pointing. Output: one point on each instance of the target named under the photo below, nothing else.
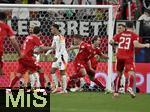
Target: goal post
(86, 20)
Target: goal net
(88, 21)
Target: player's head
(2, 16)
(36, 30)
(129, 24)
(32, 26)
(55, 29)
(96, 41)
(121, 28)
(77, 39)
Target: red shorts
(26, 64)
(1, 62)
(125, 64)
(80, 64)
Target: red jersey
(85, 50)
(29, 44)
(125, 44)
(94, 62)
(95, 51)
(92, 58)
(5, 30)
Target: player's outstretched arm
(73, 47)
(139, 45)
(46, 48)
(15, 43)
(104, 56)
(40, 49)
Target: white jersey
(60, 45)
(60, 50)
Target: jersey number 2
(124, 43)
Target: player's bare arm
(73, 47)
(139, 45)
(90, 66)
(45, 48)
(104, 56)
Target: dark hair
(129, 24)
(94, 39)
(77, 36)
(56, 26)
(36, 30)
(2, 15)
(122, 25)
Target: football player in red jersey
(127, 41)
(27, 61)
(85, 62)
(120, 28)
(93, 61)
(6, 31)
(81, 59)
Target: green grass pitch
(99, 102)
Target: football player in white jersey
(60, 59)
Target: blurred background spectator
(89, 2)
(71, 2)
(20, 13)
(145, 16)
(125, 10)
(58, 2)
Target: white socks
(34, 80)
(55, 80)
(92, 84)
(64, 82)
(123, 80)
(82, 82)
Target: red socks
(117, 83)
(97, 82)
(42, 80)
(13, 82)
(131, 80)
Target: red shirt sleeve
(88, 47)
(135, 37)
(98, 51)
(9, 30)
(38, 42)
(116, 37)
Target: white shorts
(60, 64)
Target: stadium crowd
(139, 11)
(137, 6)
